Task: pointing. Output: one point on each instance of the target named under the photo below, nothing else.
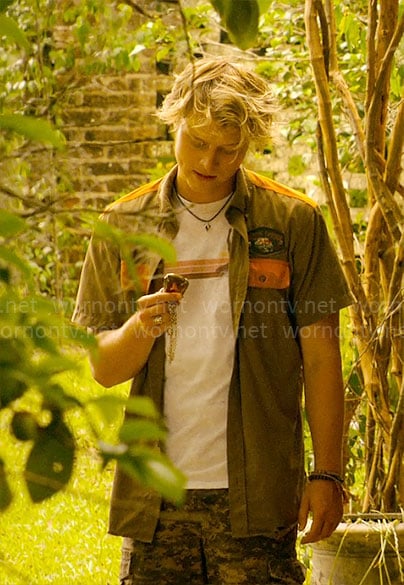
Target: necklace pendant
(207, 227)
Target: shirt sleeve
(318, 287)
(101, 301)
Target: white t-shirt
(198, 378)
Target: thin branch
(11, 193)
(185, 29)
(327, 126)
(396, 453)
(371, 50)
(138, 9)
(352, 111)
(325, 37)
(382, 77)
(393, 165)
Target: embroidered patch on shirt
(265, 241)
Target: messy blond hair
(212, 89)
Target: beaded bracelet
(330, 476)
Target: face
(208, 158)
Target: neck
(202, 199)
(207, 221)
(208, 196)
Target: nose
(210, 160)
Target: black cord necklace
(207, 222)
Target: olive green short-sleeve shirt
(284, 274)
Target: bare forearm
(325, 412)
(121, 353)
(324, 398)
(324, 395)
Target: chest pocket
(268, 273)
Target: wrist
(325, 474)
(330, 476)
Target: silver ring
(158, 320)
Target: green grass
(64, 540)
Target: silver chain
(172, 331)
(207, 222)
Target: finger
(303, 513)
(154, 320)
(319, 532)
(158, 298)
(313, 535)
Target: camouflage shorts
(194, 546)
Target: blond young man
(259, 317)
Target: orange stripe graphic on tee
(208, 268)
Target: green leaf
(142, 406)
(33, 129)
(45, 311)
(43, 337)
(156, 244)
(56, 398)
(83, 33)
(11, 349)
(155, 470)
(24, 426)
(240, 19)
(110, 407)
(151, 242)
(104, 230)
(50, 462)
(10, 29)
(220, 6)
(242, 23)
(264, 5)
(51, 365)
(10, 224)
(12, 386)
(5, 275)
(4, 4)
(9, 257)
(136, 430)
(296, 165)
(355, 383)
(5, 492)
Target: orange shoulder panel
(148, 188)
(266, 183)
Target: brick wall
(113, 134)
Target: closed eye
(198, 143)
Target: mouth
(205, 177)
